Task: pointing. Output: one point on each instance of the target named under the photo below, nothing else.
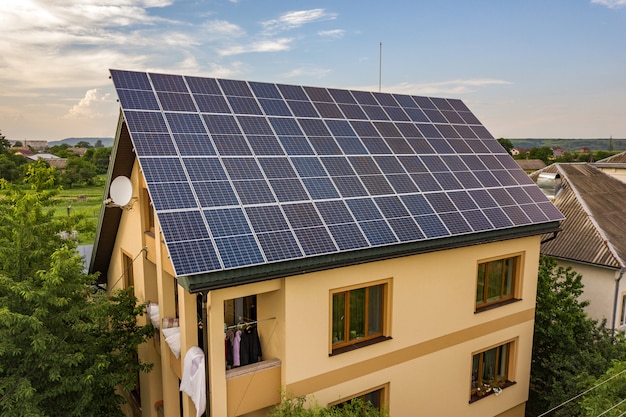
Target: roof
(617, 160)
(251, 180)
(592, 201)
(530, 164)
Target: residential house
(614, 165)
(530, 165)
(322, 242)
(593, 236)
(52, 160)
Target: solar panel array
(247, 173)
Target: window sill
(496, 305)
(476, 397)
(358, 345)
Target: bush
(296, 407)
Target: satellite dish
(121, 191)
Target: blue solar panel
(176, 101)
(348, 236)
(278, 246)
(245, 173)
(211, 104)
(238, 251)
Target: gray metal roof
(593, 203)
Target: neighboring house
(77, 151)
(375, 245)
(530, 165)
(613, 165)
(52, 160)
(593, 236)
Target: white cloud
(444, 88)
(612, 4)
(268, 45)
(334, 33)
(307, 72)
(89, 107)
(297, 18)
(216, 29)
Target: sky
(526, 68)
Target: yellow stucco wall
(433, 327)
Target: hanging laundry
(194, 382)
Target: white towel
(193, 382)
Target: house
(322, 242)
(52, 160)
(530, 165)
(593, 236)
(614, 165)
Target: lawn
(82, 200)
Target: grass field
(83, 200)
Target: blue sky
(526, 68)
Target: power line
(606, 411)
(581, 394)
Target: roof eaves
(229, 278)
(122, 160)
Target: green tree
(63, 347)
(606, 392)
(83, 144)
(297, 407)
(41, 176)
(79, 171)
(568, 346)
(506, 144)
(99, 156)
(544, 153)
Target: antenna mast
(380, 66)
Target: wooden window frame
(622, 319)
(127, 270)
(499, 383)
(518, 259)
(148, 212)
(383, 396)
(369, 338)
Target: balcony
(253, 387)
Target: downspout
(205, 341)
(621, 274)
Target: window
(148, 211)
(622, 317)
(496, 281)
(490, 370)
(129, 279)
(358, 315)
(376, 398)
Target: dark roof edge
(578, 261)
(109, 217)
(240, 276)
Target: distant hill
(571, 144)
(106, 142)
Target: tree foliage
(79, 171)
(63, 347)
(506, 144)
(568, 347)
(297, 407)
(607, 393)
